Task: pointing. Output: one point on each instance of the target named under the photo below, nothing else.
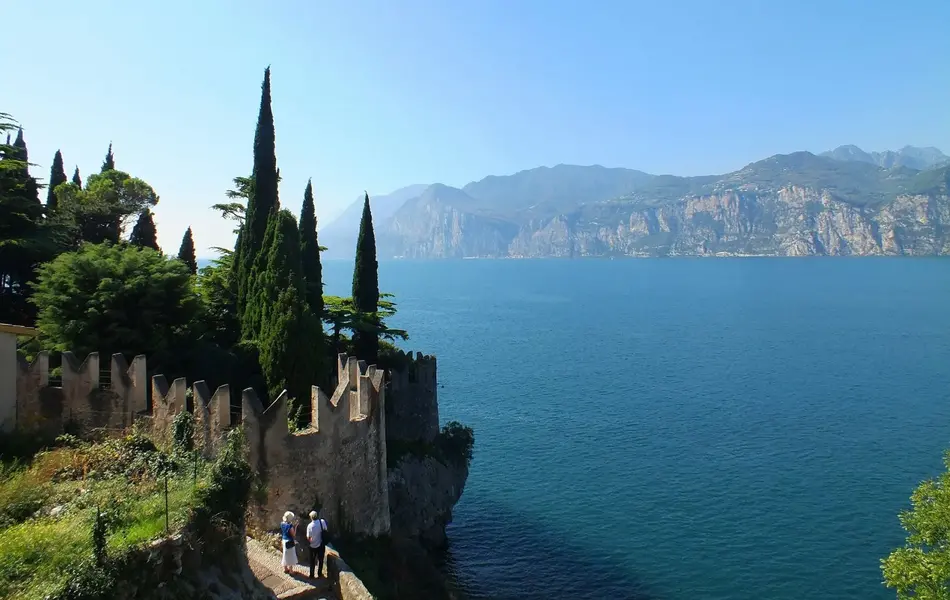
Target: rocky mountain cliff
(908, 156)
(787, 205)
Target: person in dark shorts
(318, 542)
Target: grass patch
(48, 508)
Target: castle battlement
(337, 463)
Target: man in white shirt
(318, 544)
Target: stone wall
(412, 406)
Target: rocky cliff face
(422, 493)
(795, 205)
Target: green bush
(225, 498)
(183, 431)
(456, 443)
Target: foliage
(186, 253)
(456, 443)
(57, 175)
(22, 243)
(262, 201)
(108, 164)
(340, 314)
(77, 180)
(921, 568)
(99, 212)
(144, 234)
(107, 506)
(366, 289)
(218, 292)
(291, 349)
(183, 431)
(310, 253)
(228, 492)
(123, 299)
(453, 447)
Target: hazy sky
(380, 94)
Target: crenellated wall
(412, 403)
(337, 464)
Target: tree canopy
(144, 233)
(921, 568)
(186, 252)
(366, 289)
(116, 298)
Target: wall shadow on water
(502, 555)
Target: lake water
(683, 428)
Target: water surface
(676, 429)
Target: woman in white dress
(288, 539)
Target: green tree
(144, 233)
(289, 357)
(366, 289)
(310, 253)
(84, 301)
(262, 202)
(109, 163)
(57, 175)
(216, 287)
(77, 180)
(101, 211)
(186, 253)
(921, 568)
(22, 242)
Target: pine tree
(262, 204)
(186, 253)
(57, 175)
(76, 178)
(109, 163)
(144, 233)
(310, 253)
(289, 358)
(366, 287)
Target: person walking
(318, 542)
(288, 536)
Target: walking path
(265, 563)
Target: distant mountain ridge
(908, 156)
(838, 203)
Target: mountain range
(842, 202)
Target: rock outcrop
(422, 493)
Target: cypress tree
(366, 287)
(57, 175)
(21, 245)
(289, 358)
(76, 178)
(262, 203)
(186, 253)
(144, 233)
(109, 163)
(310, 253)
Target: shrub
(226, 496)
(183, 431)
(456, 443)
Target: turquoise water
(681, 429)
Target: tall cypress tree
(289, 358)
(57, 175)
(366, 288)
(144, 233)
(310, 253)
(76, 178)
(262, 203)
(109, 163)
(186, 253)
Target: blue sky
(379, 94)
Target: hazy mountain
(908, 156)
(795, 204)
(339, 236)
